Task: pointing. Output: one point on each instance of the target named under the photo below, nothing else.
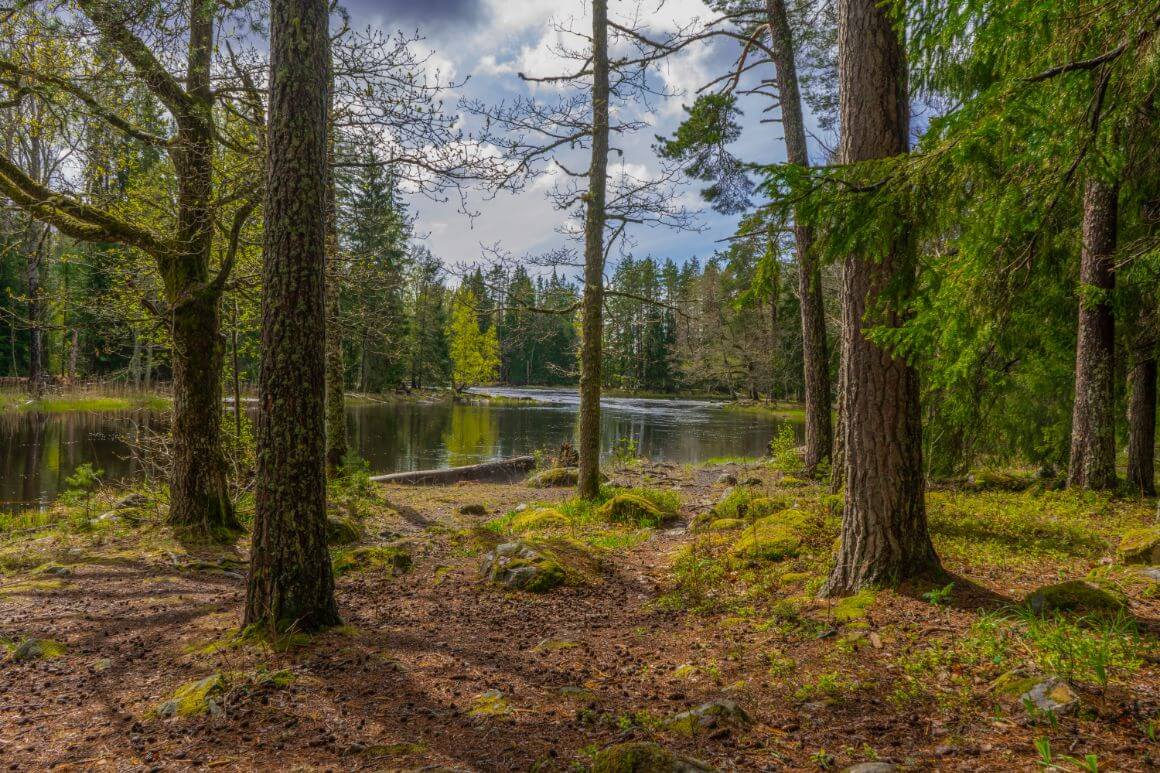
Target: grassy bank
(64, 402)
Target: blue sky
(492, 40)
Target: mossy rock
(554, 477)
(632, 509)
(37, 649)
(851, 608)
(643, 757)
(520, 566)
(389, 558)
(769, 539)
(726, 524)
(490, 704)
(708, 717)
(342, 531)
(539, 519)
(1140, 546)
(1075, 596)
(473, 508)
(195, 698)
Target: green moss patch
(36, 649)
(1140, 546)
(490, 704)
(1075, 596)
(194, 698)
(554, 477)
(538, 519)
(642, 757)
(772, 538)
(342, 531)
(854, 607)
(631, 508)
(393, 559)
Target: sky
(488, 42)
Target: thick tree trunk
(335, 366)
(200, 506)
(291, 584)
(37, 376)
(884, 532)
(1142, 428)
(592, 326)
(815, 353)
(1093, 443)
(838, 455)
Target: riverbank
(673, 600)
(83, 400)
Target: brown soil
(395, 689)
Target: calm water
(41, 450)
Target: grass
(66, 402)
(788, 411)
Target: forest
(596, 385)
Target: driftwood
(503, 470)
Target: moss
(852, 607)
(793, 578)
(1075, 596)
(642, 757)
(771, 539)
(342, 531)
(30, 586)
(1140, 546)
(631, 508)
(1012, 684)
(554, 477)
(37, 649)
(706, 717)
(490, 704)
(726, 524)
(539, 519)
(685, 671)
(194, 698)
(390, 558)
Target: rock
(194, 698)
(1074, 596)
(642, 757)
(726, 524)
(1151, 572)
(55, 570)
(37, 649)
(708, 716)
(752, 481)
(342, 531)
(539, 519)
(635, 509)
(1054, 695)
(473, 508)
(490, 704)
(395, 559)
(578, 694)
(726, 479)
(872, 767)
(1140, 546)
(519, 566)
(554, 477)
(772, 538)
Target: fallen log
(503, 470)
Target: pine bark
(335, 365)
(1093, 445)
(592, 325)
(815, 354)
(291, 584)
(884, 530)
(1142, 408)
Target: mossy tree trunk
(1093, 444)
(335, 364)
(884, 531)
(291, 583)
(592, 325)
(1142, 407)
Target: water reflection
(41, 450)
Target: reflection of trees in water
(472, 433)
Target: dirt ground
(438, 669)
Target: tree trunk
(592, 326)
(815, 352)
(35, 236)
(838, 455)
(884, 532)
(1093, 444)
(1142, 427)
(291, 584)
(335, 367)
(200, 506)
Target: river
(41, 450)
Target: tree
(291, 584)
(1093, 429)
(200, 505)
(474, 351)
(884, 537)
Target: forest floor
(125, 654)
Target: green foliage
(783, 449)
(474, 352)
(939, 596)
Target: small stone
(1054, 695)
(37, 649)
(519, 566)
(473, 508)
(642, 757)
(1151, 572)
(726, 479)
(491, 703)
(708, 716)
